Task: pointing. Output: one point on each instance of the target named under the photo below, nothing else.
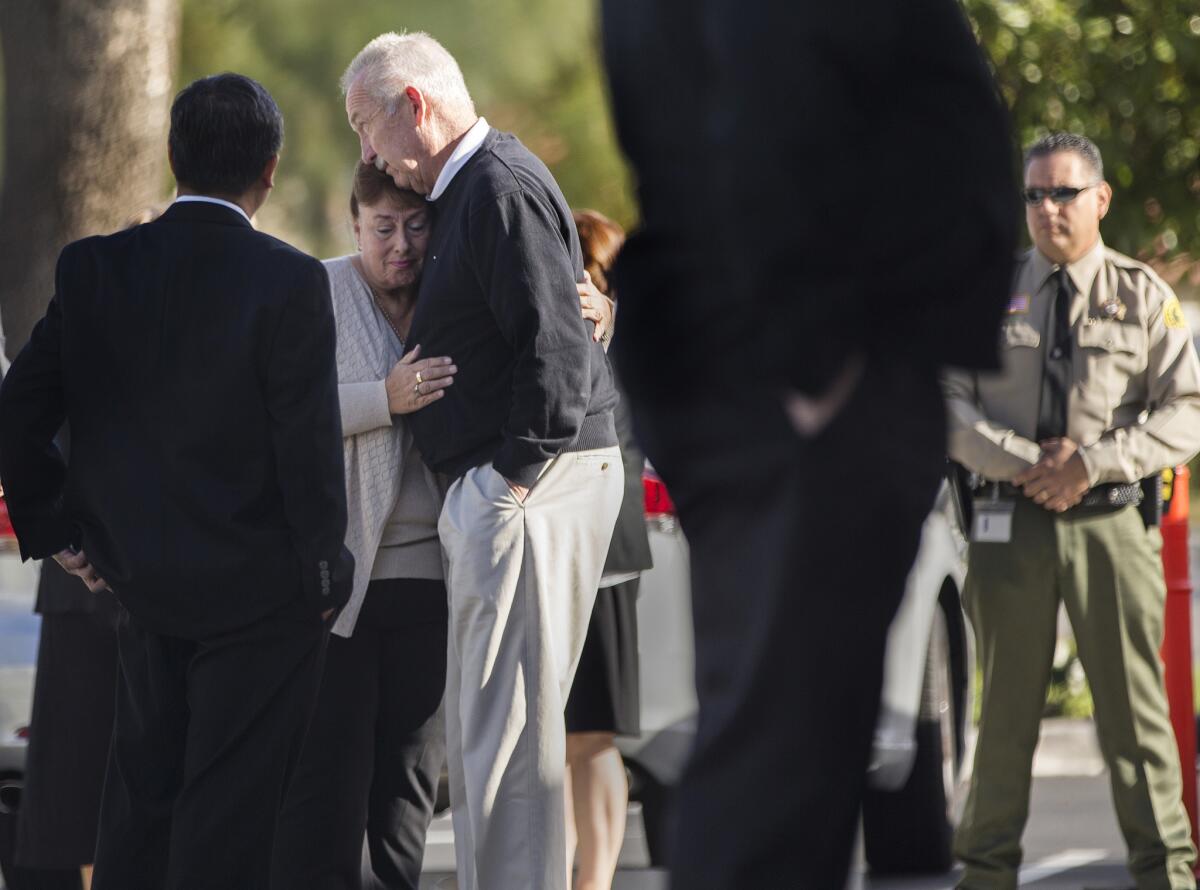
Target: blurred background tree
(532, 66)
(85, 124)
(1125, 72)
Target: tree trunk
(87, 96)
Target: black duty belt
(1107, 494)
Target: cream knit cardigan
(375, 441)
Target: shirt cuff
(1093, 462)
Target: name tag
(993, 521)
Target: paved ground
(1072, 839)
(635, 872)
(1071, 842)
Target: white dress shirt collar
(462, 153)
(185, 199)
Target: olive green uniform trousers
(1105, 567)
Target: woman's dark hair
(601, 240)
(371, 184)
(224, 130)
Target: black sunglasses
(1063, 194)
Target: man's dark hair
(1057, 142)
(224, 129)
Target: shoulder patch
(1173, 314)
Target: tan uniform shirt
(1134, 399)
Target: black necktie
(1056, 377)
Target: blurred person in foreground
(828, 219)
(193, 358)
(604, 700)
(525, 435)
(1100, 389)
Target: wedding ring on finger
(420, 379)
(416, 389)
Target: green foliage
(1067, 694)
(532, 65)
(1125, 73)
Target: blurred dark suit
(816, 182)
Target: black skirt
(604, 696)
(73, 702)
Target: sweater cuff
(364, 406)
(515, 468)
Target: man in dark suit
(194, 360)
(827, 217)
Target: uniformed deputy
(1100, 389)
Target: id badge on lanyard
(993, 518)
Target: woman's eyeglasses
(1063, 194)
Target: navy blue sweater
(498, 296)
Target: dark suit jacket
(815, 180)
(194, 360)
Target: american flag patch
(1019, 303)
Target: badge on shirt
(1173, 314)
(1017, 304)
(1113, 308)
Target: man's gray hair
(1057, 142)
(392, 62)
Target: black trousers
(375, 750)
(73, 700)
(206, 736)
(800, 551)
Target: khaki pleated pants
(1105, 568)
(521, 579)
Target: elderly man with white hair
(525, 438)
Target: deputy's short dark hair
(224, 129)
(1056, 142)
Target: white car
(19, 628)
(921, 737)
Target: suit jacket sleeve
(32, 409)
(301, 393)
